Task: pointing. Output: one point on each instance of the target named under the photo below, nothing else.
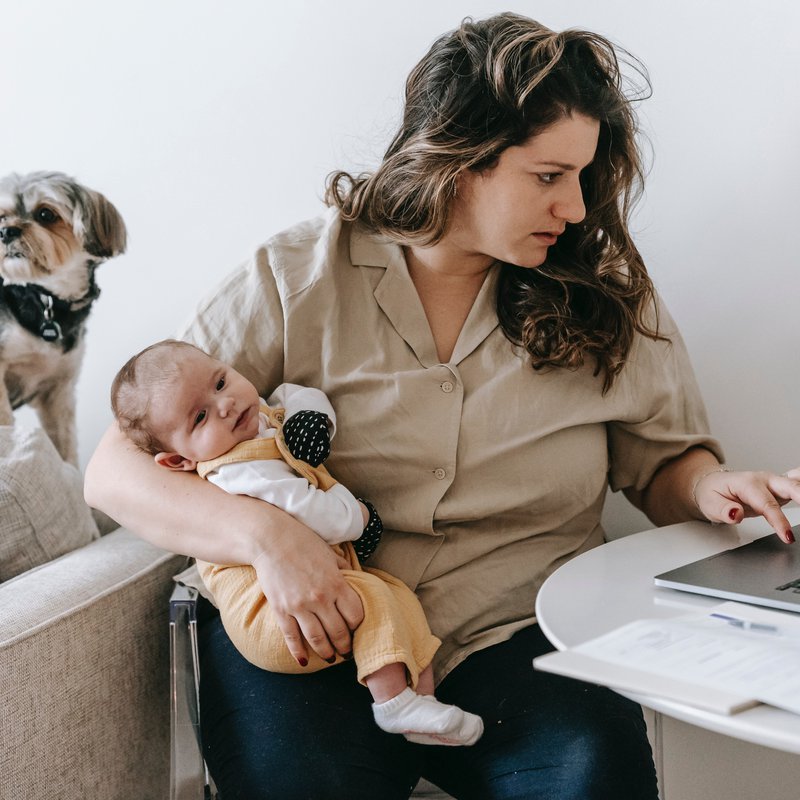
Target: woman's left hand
(729, 497)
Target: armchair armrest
(84, 672)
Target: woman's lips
(546, 237)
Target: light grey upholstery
(84, 674)
(42, 512)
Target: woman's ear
(175, 461)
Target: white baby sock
(423, 719)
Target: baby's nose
(226, 406)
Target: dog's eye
(46, 215)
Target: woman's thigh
(293, 737)
(545, 736)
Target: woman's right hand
(313, 604)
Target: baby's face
(206, 410)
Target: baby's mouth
(242, 418)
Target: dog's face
(52, 228)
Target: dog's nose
(9, 234)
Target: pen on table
(746, 624)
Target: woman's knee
(608, 760)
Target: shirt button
(447, 387)
(440, 474)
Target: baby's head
(182, 406)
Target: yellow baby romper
(394, 629)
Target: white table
(613, 584)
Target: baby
(192, 412)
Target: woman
(491, 341)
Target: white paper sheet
(719, 659)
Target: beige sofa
(84, 674)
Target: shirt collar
(397, 297)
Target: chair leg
(189, 777)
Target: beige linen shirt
(487, 474)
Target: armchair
(84, 674)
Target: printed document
(726, 659)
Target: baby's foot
(423, 719)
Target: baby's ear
(175, 461)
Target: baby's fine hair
(133, 387)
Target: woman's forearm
(313, 604)
(668, 498)
(178, 510)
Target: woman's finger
(763, 494)
(294, 639)
(731, 496)
(316, 637)
(337, 631)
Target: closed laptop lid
(764, 572)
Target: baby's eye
(220, 384)
(199, 418)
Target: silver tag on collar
(49, 330)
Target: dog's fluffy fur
(53, 234)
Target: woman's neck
(447, 290)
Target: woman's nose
(569, 206)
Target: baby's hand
(308, 437)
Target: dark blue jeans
(312, 737)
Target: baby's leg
(425, 684)
(390, 680)
(393, 630)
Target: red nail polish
(330, 660)
(790, 536)
(303, 662)
(732, 514)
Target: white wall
(212, 125)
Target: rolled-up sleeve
(663, 411)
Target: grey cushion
(42, 511)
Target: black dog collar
(45, 314)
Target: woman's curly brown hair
(490, 85)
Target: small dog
(53, 234)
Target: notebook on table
(764, 572)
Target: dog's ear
(175, 461)
(103, 230)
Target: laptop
(764, 572)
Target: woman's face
(514, 211)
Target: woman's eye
(547, 177)
(220, 384)
(199, 418)
(46, 216)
